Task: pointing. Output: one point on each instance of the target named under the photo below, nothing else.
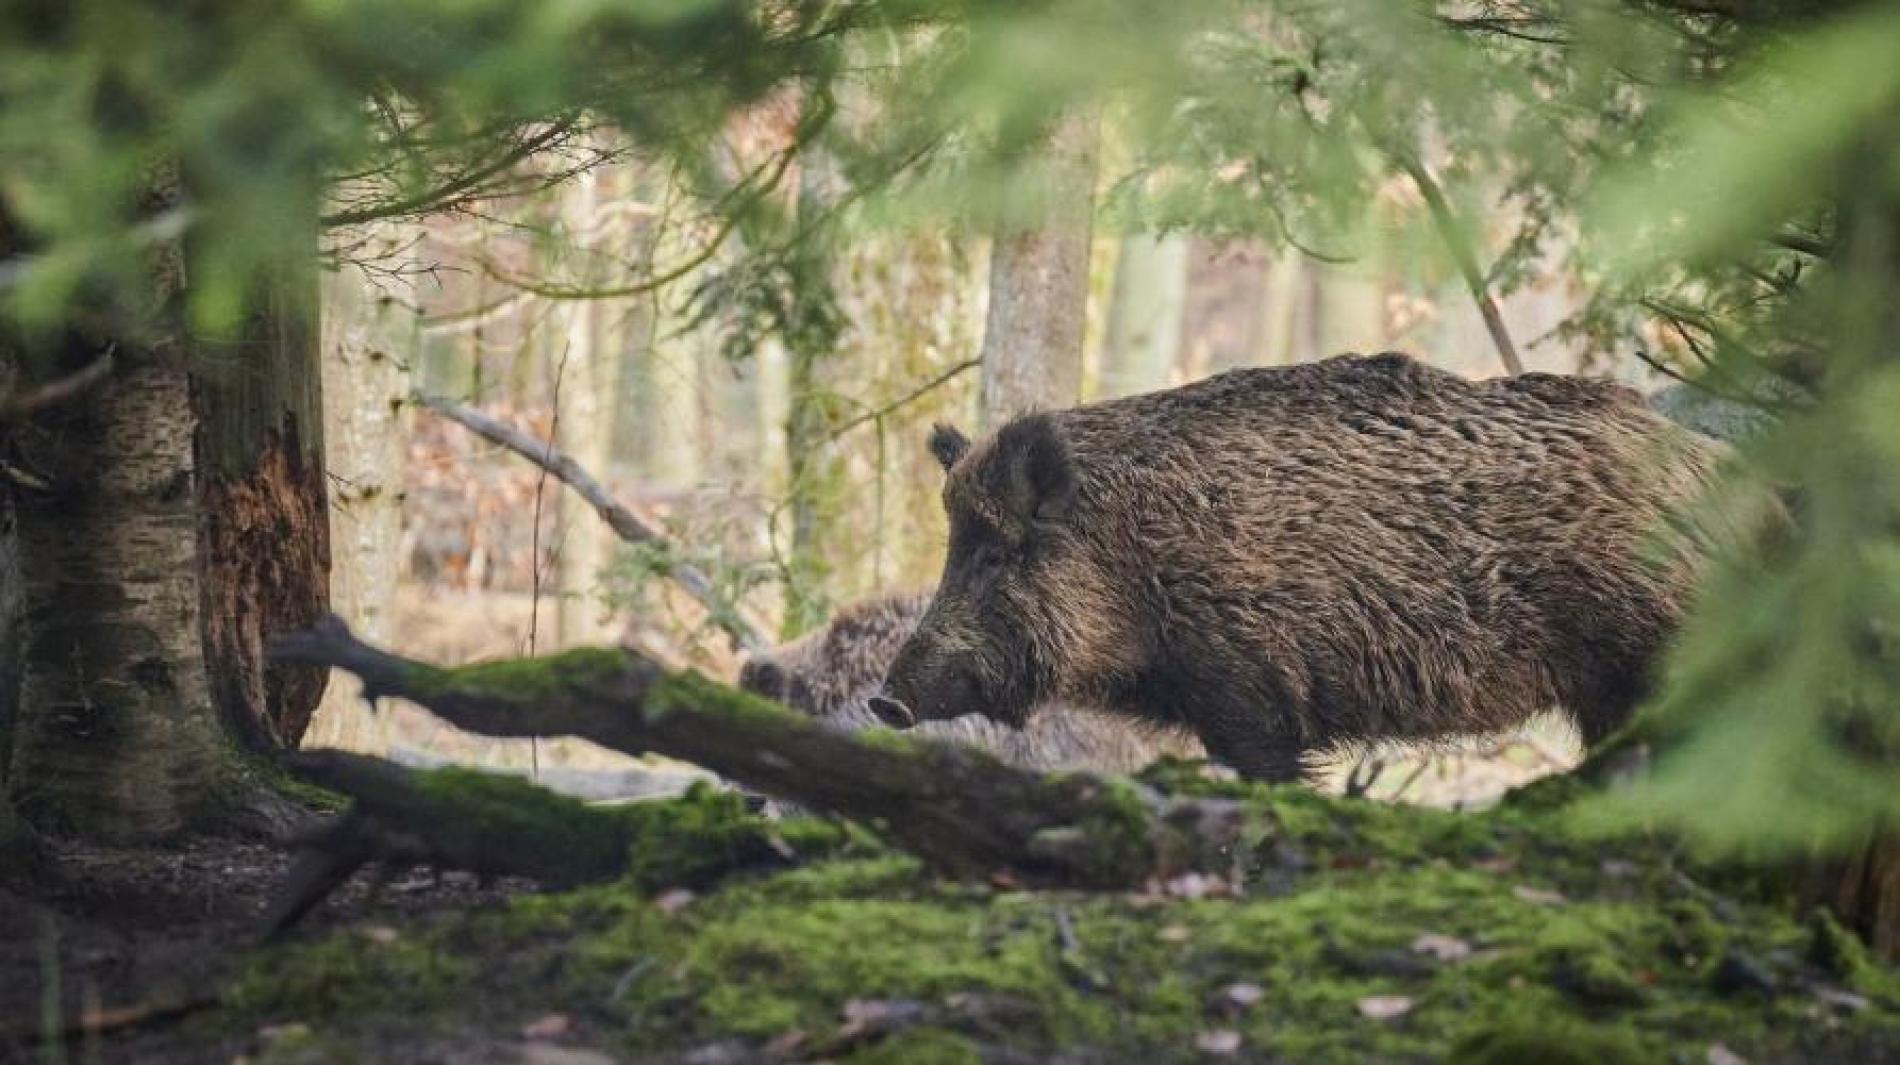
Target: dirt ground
(122, 934)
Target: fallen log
(955, 807)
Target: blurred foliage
(1722, 175)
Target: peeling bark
(265, 526)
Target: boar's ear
(1038, 485)
(948, 443)
(762, 676)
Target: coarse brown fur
(828, 674)
(1288, 560)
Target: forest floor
(1353, 931)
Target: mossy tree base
(957, 808)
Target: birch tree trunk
(1039, 268)
(372, 339)
(1143, 345)
(116, 737)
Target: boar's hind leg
(1241, 744)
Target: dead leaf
(1190, 886)
(877, 1013)
(1243, 995)
(1385, 1007)
(1539, 896)
(783, 1044)
(551, 1026)
(1721, 1055)
(1175, 933)
(1218, 1041)
(382, 935)
(674, 901)
(1444, 948)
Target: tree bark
(9, 634)
(115, 736)
(584, 428)
(1143, 345)
(1039, 274)
(371, 339)
(264, 521)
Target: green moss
(350, 972)
(1597, 966)
(690, 691)
(553, 831)
(1836, 950)
(707, 834)
(528, 679)
(1549, 1041)
(1119, 834)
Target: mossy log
(957, 808)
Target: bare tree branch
(458, 187)
(745, 632)
(1458, 242)
(906, 399)
(17, 405)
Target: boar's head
(1021, 601)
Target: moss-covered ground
(1358, 932)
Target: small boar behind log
(831, 673)
(1290, 560)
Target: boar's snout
(892, 713)
(928, 683)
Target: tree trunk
(1280, 341)
(584, 428)
(1144, 317)
(1039, 274)
(115, 737)
(9, 663)
(1863, 885)
(371, 339)
(264, 521)
(9, 634)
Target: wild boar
(829, 674)
(1290, 560)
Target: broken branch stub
(955, 807)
